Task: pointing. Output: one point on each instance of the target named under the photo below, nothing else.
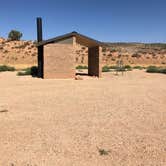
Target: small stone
(78, 77)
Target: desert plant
(138, 67)
(81, 67)
(20, 73)
(110, 55)
(5, 51)
(120, 69)
(154, 69)
(136, 55)
(123, 68)
(104, 49)
(25, 72)
(14, 35)
(28, 71)
(6, 68)
(33, 54)
(105, 69)
(113, 50)
(103, 152)
(163, 71)
(113, 59)
(112, 67)
(128, 67)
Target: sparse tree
(14, 35)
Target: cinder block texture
(94, 59)
(59, 61)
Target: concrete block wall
(59, 61)
(94, 61)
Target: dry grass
(61, 122)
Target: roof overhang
(81, 39)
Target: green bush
(124, 68)
(155, 69)
(113, 50)
(14, 35)
(20, 73)
(6, 68)
(121, 69)
(81, 67)
(105, 69)
(127, 67)
(163, 71)
(112, 67)
(28, 71)
(152, 69)
(138, 67)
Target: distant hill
(18, 53)
(131, 53)
(24, 53)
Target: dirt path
(71, 123)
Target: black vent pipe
(39, 29)
(40, 48)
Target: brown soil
(115, 120)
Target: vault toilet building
(56, 56)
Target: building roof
(82, 39)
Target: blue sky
(105, 20)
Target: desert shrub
(33, 54)
(113, 50)
(103, 152)
(120, 69)
(110, 55)
(128, 67)
(138, 67)
(123, 68)
(105, 69)
(112, 67)
(136, 55)
(163, 71)
(6, 68)
(154, 69)
(120, 55)
(81, 67)
(29, 71)
(14, 35)
(104, 49)
(21, 73)
(5, 51)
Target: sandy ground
(67, 122)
